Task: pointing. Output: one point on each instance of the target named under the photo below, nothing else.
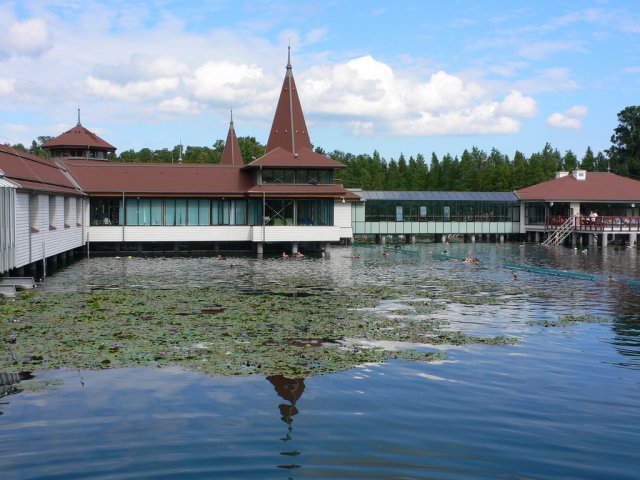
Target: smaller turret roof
(79, 137)
(231, 155)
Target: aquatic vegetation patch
(570, 321)
(36, 386)
(290, 328)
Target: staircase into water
(562, 232)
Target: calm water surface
(563, 403)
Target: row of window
(207, 211)
(78, 153)
(441, 211)
(300, 176)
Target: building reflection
(290, 390)
(8, 384)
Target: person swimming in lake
(385, 253)
(284, 255)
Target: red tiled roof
(231, 155)
(285, 190)
(304, 158)
(35, 173)
(79, 137)
(289, 130)
(101, 178)
(597, 187)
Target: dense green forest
(473, 170)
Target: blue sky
(398, 77)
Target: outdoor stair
(562, 232)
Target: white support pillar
(413, 239)
(383, 240)
(604, 240)
(327, 248)
(501, 238)
(294, 248)
(259, 248)
(633, 239)
(444, 239)
(537, 237)
(473, 239)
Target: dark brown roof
(597, 187)
(100, 178)
(35, 173)
(303, 190)
(231, 154)
(289, 130)
(78, 137)
(303, 158)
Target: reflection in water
(289, 389)
(8, 382)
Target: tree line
(474, 170)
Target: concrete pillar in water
(604, 239)
(326, 248)
(216, 247)
(537, 237)
(633, 239)
(501, 238)
(444, 239)
(294, 248)
(574, 240)
(259, 248)
(473, 239)
(383, 240)
(413, 239)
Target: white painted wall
(342, 219)
(35, 237)
(218, 233)
(7, 228)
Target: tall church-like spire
(231, 154)
(289, 129)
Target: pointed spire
(231, 154)
(289, 129)
(79, 124)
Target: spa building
(286, 200)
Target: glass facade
(440, 211)
(210, 211)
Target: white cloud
(178, 105)
(132, 91)
(30, 37)
(377, 100)
(142, 67)
(571, 118)
(542, 49)
(7, 86)
(225, 82)
(515, 103)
